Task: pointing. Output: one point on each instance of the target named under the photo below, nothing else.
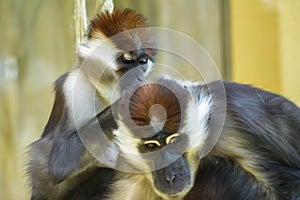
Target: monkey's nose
(170, 178)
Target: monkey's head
(161, 133)
(119, 41)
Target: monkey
(163, 126)
(59, 166)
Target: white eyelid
(128, 56)
(152, 141)
(170, 137)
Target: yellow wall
(290, 48)
(265, 37)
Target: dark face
(176, 177)
(132, 59)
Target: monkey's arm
(60, 165)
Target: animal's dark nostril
(171, 179)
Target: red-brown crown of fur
(172, 99)
(116, 22)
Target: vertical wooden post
(80, 21)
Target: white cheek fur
(196, 122)
(128, 146)
(100, 52)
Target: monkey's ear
(65, 157)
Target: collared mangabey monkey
(257, 155)
(117, 43)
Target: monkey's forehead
(126, 28)
(156, 106)
(116, 22)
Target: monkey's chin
(175, 195)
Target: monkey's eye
(152, 144)
(128, 58)
(143, 60)
(172, 138)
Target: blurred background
(251, 41)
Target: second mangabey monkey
(257, 155)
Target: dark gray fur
(265, 125)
